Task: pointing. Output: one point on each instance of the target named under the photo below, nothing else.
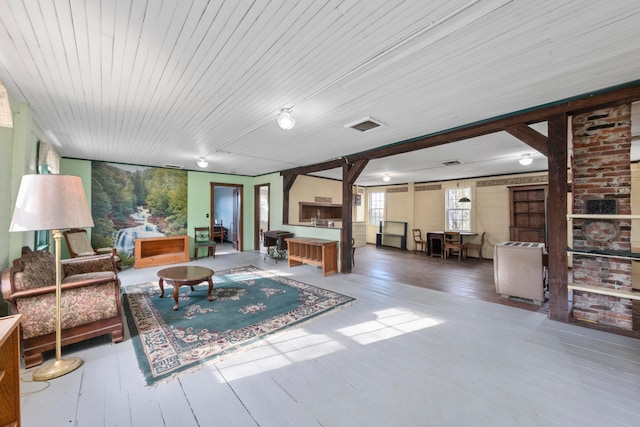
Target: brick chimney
(602, 171)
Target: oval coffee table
(185, 276)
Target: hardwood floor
(469, 278)
(401, 355)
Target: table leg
(161, 288)
(209, 296)
(176, 288)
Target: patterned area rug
(249, 304)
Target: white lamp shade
(286, 120)
(50, 202)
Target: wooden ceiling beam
(514, 121)
(530, 136)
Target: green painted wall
(199, 184)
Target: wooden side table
(10, 370)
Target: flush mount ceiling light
(525, 160)
(386, 177)
(285, 119)
(202, 162)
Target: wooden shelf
(601, 216)
(320, 252)
(619, 293)
(634, 256)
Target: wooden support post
(557, 219)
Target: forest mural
(129, 202)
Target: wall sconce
(202, 162)
(525, 160)
(285, 119)
(386, 177)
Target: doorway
(261, 214)
(226, 211)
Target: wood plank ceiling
(157, 83)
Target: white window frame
(378, 206)
(458, 215)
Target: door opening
(226, 212)
(261, 215)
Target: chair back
(417, 234)
(78, 242)
(452, 238)
(202, 234)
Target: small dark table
(185, 276)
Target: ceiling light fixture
(285, 119)
(464, 199)
(526, 160)
(386, 177)
(202, 162)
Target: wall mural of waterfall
(130, 202)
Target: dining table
(435, 239)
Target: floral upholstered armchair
(90, 299)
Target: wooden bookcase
(153, 251)
(528, 213)
(320, 252)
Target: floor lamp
(52, 202)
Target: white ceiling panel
(155, 83)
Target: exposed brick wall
(601, 170)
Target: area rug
(249, 304)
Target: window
(458, 214)
(376, 208)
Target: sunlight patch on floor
(278, 355)
(389, 323)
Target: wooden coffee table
(185, 276)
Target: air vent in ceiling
(170, 166)
(365, 124)
(452, 163)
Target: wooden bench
(320, 252)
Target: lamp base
(57, 369)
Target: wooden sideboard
(152, 251)
(320, 252)
(10, 370)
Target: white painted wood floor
(399, 356)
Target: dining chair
(202, 239)
(417, 240)
(453, 244)
(475, 246)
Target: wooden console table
(152, 251)
(393, 230)
(320, 252)
(10, 371)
